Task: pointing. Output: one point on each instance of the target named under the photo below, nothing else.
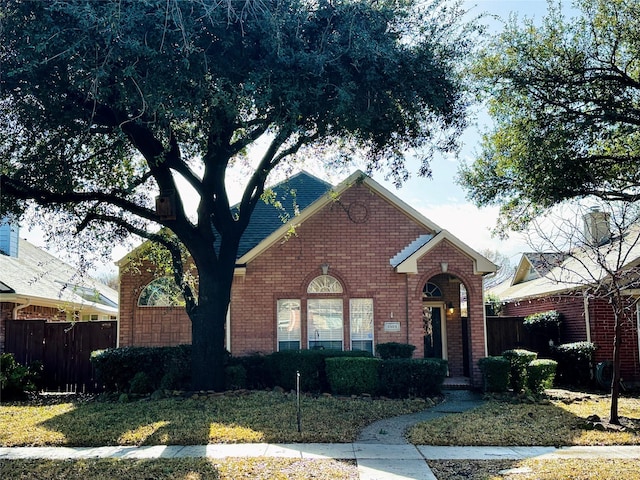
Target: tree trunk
(615, 377)
(208, 331)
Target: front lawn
(563, 421)
(253, 417)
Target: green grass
(504, 424)
(256, 417)
(179, 469)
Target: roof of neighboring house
(575, 270)
(38, 278)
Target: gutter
(14, 314)
(587, 319)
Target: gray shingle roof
(289, 197)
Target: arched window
(324, 284)
(161, 292)
(431, 290)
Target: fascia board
(80, 305)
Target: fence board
(64, 349)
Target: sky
(438, 198)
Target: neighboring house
(556, 281)
(36, 285)
(346, 267)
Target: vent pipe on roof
(597, 230)
(8, 238)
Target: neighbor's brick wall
(574, 327)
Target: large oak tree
(106, 104)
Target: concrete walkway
(375, 461)
(381, 451)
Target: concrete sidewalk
(375, 461)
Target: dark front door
(432, 318)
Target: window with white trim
(161, 292)
(361, 321)
(288, 317)
(325, 323)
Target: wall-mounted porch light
(450, 307)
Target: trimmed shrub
(540, 375)
(117, 367)
(575, 363)
(395, 350)
(496, 372)
(402, 378)
(427, 376)
(140, 384)
(257, 374)
(16, 379)
(311, 365)
(519, 359)
(549, 320)
(352, 376)
(235, 377)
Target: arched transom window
(161, 292)
(324, 284)
(431, 290)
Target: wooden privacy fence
(63, 348)
(505, 333)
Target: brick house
(353, 267)
(555, 281)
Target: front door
(434, 331)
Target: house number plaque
(391, 326)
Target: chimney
(8, 238)
(597, 230)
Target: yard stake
(298, 400)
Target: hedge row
(147, 369)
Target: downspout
(406, 302)
(587, 320)
(14, 315)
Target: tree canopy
(104, 105)
(564, 98)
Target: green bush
(352, 376)
(402, 378)
(395, 350)
(496, 372)
(16, 379)
(235, 377)
(519, 359)
(117, 367)
(283, 366)
(140, 384)
(258, 376)
(575, 363)
(549, 320)
(540, 375)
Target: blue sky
(439, 198)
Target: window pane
(288, 324)
(361, 320)
(325, 322)
(161, 292)
(324, 284)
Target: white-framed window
(288, 318)
(324, 284)
(93, 317)
(325, 323)
(361, 321)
